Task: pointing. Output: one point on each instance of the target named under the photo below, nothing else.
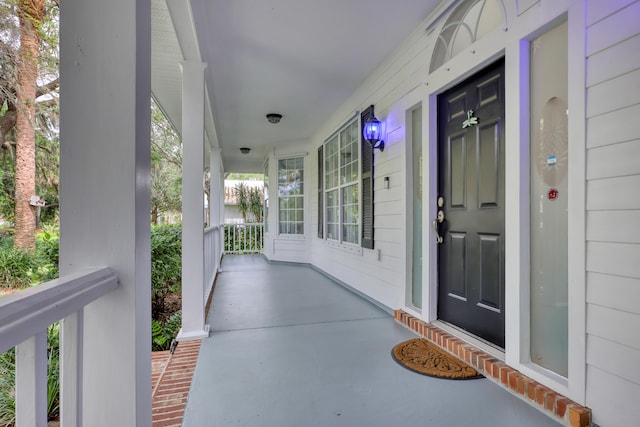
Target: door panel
(471, 180)
(458, 243)
(489, 141)
(490, 269)
(458, 192)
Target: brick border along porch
(171, 381)
(553, 404)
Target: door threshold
(465, 336)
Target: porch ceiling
(299, 58)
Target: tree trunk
(154, 214)
(31, 14)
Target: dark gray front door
(471, 185)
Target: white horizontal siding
(616, 292)
(606, 323)
(612, 399)
(614, 160)
(599, 65)
(601, 351)
(614, 193)
(614, 94)
(620, 259)
(613, 127)
(617, 27)
(599, 9)
(362, 272)
(614, 226)
(613, 211)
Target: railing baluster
(212, 248)
(243, 238)
(24, 320)
(31, 381)
(71, 363)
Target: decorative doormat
(421, 356)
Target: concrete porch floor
(290, 347)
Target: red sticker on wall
(552, 194)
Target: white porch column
(216, 202)
(193, 326)
(217, 188)
(105, 70)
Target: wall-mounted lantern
(372, 132)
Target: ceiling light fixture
(245, 150)
(274, 118)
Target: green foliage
(166, 264)
(16, 267)
(53, 371)
(244, 238)
(47, 180)
(166, 166)
(7, 388)
(19, 268)
(47, 250)
(7, 186)
(255, 204)
(162, 333)
(245, 176)
(8, 380)
(249, 202)
(45, 121)
(6, 239)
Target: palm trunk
(31, 13)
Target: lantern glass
(372, 130)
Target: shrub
(162, 333)
(166, 264)
(47, 249)
(19, 268)
(16, 267)
(7, 388)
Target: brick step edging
(553, 404)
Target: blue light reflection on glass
(372, 131)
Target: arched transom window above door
(468, 22)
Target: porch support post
(105, 160)
(217, 190)
(216, 204)
(193, 90)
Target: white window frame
(291, 196)
(338, 240)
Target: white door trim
(514, 46)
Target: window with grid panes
(290, 195)
(341, 185)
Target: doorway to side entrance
(471, 205)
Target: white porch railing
(244, 238)
(24, 319)
(212, 256)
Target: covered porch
(284, 344)
(290, 347)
